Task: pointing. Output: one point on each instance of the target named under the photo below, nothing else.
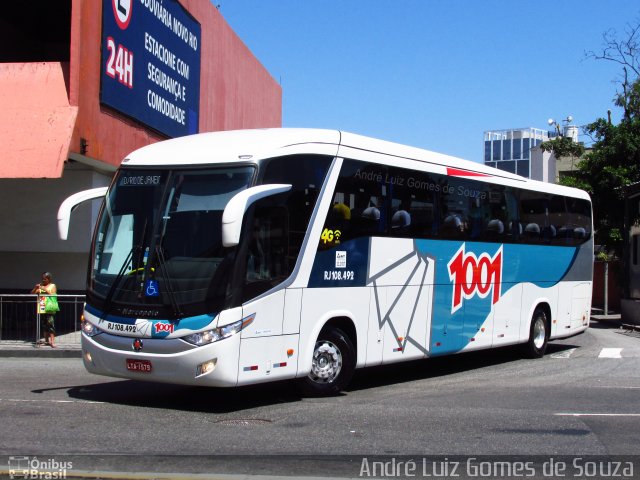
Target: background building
(630, 304)
(518, 151)
(83, 83)
(510, 150)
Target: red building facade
(59, 136)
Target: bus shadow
(186, 398)
(429, 368)
(229, 400)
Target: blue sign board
(150, 67)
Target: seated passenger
(400, 219)
(341, 211)
(532, 230)
(337, 224)
(495, 227)
(371, 213)
(453, 226)
(367, 222)
(515, 228)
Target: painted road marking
(623, 387)
(564, 353)
(610, 353)
(597, 414)
(19, 400)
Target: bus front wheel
(538, 335)
(332, 365)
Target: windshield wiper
(162, 265)
(118, 279)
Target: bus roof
(230, 146)
(235, 146)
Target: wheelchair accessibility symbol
(151, 288)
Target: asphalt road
(581, 399)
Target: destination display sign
(150, 64)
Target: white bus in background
(233, 258)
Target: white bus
(240, 257)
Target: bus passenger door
(261, 346)
(263, 349)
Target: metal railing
(20, 320)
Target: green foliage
(629, 100)
(563, 147)
(613, 163)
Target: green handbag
(51, 305)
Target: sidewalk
(67, 346)
(614, 320)
(611, 318)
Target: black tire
(333, 364)
(538, 335)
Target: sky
(435, 74)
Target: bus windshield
(158, 244)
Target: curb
(30, 351)
(610, 319)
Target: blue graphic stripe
(543, 266)
(194, 323)
(453, 329)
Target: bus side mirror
(238, 205)
(69, 204)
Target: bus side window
(498, 218)
(358, 206)
(368, 221)
(513, 225)
(578, 225)
(535, 216)
(459, 213)
(306, 175)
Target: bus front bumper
(162, 360)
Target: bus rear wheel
(332, 365)
(538, 335)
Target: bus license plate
(143, 366)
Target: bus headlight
(89, 329)
(211, 336)
(203, 338)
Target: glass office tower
(510, 150)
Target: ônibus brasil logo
(473, 275)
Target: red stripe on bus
(456, 172)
